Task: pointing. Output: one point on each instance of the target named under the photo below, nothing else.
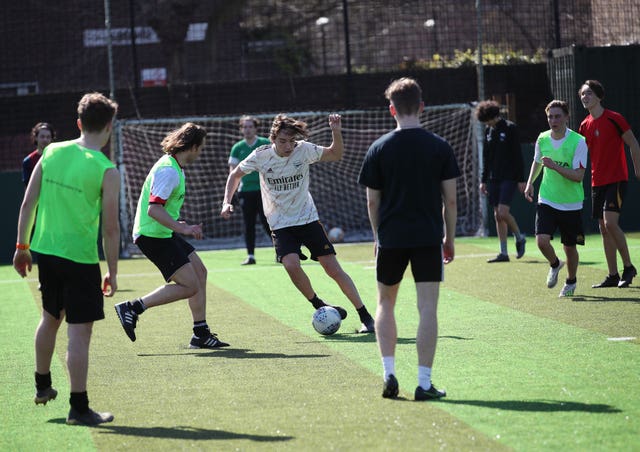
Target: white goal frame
(340, 200)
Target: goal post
(340, 200)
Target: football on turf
(326, 320)
(336, 235)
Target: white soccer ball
(336, 235)
(326, 320)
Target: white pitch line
(621, 339)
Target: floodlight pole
(479, 65)
(107, 24)
(483, 231)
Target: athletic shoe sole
(120, 307)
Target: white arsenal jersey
(284, 183)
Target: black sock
(364, 314)
(79, 401)
(571, 281)
(316, 302)
(138, 306)
(556, 263)
(201, 329)
(43, 381)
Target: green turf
(523, 369)
(23, 425)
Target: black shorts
(72, 287)
(168, 254)
(501, 191)
(312, 235)
(569, 222)
(607, 197)
(426, 264)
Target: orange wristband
(20, 246)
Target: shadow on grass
(538, 261)
(536, 405)
(235, 353)
(604, 299)
(355, 337)
(180, 432)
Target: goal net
(340, 200)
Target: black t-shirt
(501, 154)
(408, 166)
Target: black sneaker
(499, 258)
(627, 276)
(45, 395)
(429, 394)
(249, 261)
(210, 341)
(128, 318)
(88, 418)
(368, 327)
(520, 247)
(609, 281)
(342, 311)
(390, 388)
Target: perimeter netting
(340, 200)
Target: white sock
(388, 366)
(424, 377)
(251, 256)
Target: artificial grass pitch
(523, 369)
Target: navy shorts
(168, 254)
(72, 287)
(426, 264)
(607, 198)
(312, 235)
(501, 191)
(569, 222)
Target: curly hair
(284, 123)
(487, 110)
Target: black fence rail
(64, 46)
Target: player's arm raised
(334, 152)
(233, 180)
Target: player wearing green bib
(561, 156)
(74, 188)
(155, 232)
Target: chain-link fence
(64, 45)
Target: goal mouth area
(340, 200)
